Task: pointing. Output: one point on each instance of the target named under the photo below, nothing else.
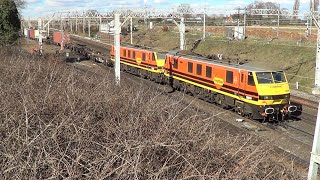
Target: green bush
(9, 23)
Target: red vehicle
(57, 38)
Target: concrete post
(244, 23)
(117, 31)
(71, 24)
(100, 24)
(48, 28)
(204, 26)
(89, 28)
(150, 25)
(278, 22)
(62, 39)
(317, 73)
(76, 24)
(315, 158)
(83, 25)
(182, 29)
(40, 35)
(131, 30)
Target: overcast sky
(36, 8)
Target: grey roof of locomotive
(225, 63)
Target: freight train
(251, 92)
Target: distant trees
(10, 24)
(185, 9)
(263, 5)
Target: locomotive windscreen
(270, 77)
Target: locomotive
(251, 92)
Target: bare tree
(263, 5)
(185, 9)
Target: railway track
(304, 102)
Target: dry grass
(59, 122)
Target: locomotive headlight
(266, 97)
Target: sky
(36, 8)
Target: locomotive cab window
(129, 53)
(134, 54)
(264, 77)
(153, 56)
(199, 69)
(124, 52)
(175, 63)
(143, 56)
(208, 72)
(190, 67)
(229, 77)
(279, 77)
(250, 79)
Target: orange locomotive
(142, 62)
(252, 92)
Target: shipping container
(32, 34)
(57, 38)
(25, 32)
(36, 34)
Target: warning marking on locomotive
(138, 61)
(218, 81)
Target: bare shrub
(59, 122)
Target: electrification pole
(315, 154)
(182, 31)
(100, 21)
(83, 24)
(316, 89)
(315, 158)
(131, 30)
(244, 23)
(117, 31)
(204, 25)
(40, 35)
(278, 22)
(182, 34)
(48, 24)
(71, 24)
(89, 28)
(76, 24)
(238, 23)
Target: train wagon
(142, 62)
(251, 92)
(57, 38)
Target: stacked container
(25, 32)
(32, 34)
(57, 38)
(36, 34)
